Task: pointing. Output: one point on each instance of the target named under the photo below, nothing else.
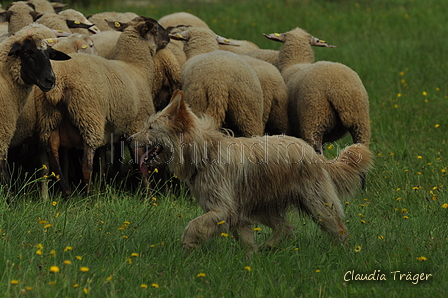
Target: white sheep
(326, 99)
(18, 15)
(24, 62)
(182, 18)
(105, 43)
(275, 95)
(47, 6)
(220, 84)
(102, 98)
(99, 19)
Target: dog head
(164, 132)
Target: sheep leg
(5, 179)
(87, 165)
(45, 172)
(53, 146)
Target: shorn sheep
(327, 99)
(220, 84)
(96, 100)
(24, 62)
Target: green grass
(398, 48)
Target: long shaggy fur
(242, 181)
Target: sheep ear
(36, 15)
(31, 5)
(144, 28)
(57, 55)
(275, 36)
(119, 26)
(15, 49)
(320, 43)
(57, 6)
(5, 16)
(178, 36)
(225, 41)
(77, 24)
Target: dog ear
(178, 112)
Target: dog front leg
(203, 227)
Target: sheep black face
(36, 68)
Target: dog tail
(348, 170)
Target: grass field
(118, 243)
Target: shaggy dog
(241, 181)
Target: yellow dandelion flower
(47, 226)
(330, 147)
(298, 248)
(125, 237)
(44, 167)
(363, 221)
(399, 95)
(424, 93)
(76, 285)
(437, 125)
(419, 173)
(156, 170)
(152, 245)
(86, 291)
(381, 237)
(201, 275)
(416, 187)
(84, 269)
(361, 215)
(221, 222)
(443, 170)
(78, 258)
(54, 203)
(129, 260)
(419, 157)
(422, 258)
(67, 262)
(247, 268)
(404, 210)
(54, 269)
(109, 278)
(14, 282)
(42, 222)
(317, 270)
(39, 252)
(154, 285)
(405, 217)
(256, 229)
(401, 73)
(52, 253)
(395, 106)
(357, 248)
(144, 286)
(28, 288)
(134, 254)
(347, 203)
(52, 283)
(67, 248)
(398, 199)
(224, 235)
(445, 206)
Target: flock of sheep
(120, 72)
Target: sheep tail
(217, 99)
(349, 169)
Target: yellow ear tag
(77, 22)
(85, 46)
(321, 40)
(276, 34)
(50, 40)
(179, 35)
(60, 31)
(226, 40)
(117, 25)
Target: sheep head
(35, 62)
(282, 37)
(147, 28)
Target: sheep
(47, 6)
(74, 43)
(77, 17)
(267, 55)
(105, 43)
(102, 99)
(275, 96)
(99, 19)
(326, 99)
(72, 21)
(18, 15)
(24, 62)
(220, 84)
(182, 18)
